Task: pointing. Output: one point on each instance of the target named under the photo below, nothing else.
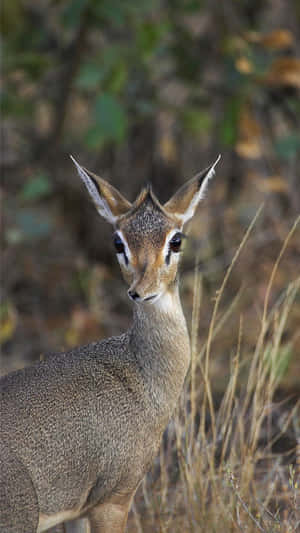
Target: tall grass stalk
(217, 470)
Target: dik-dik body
(80, 429)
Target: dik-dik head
(147, 235)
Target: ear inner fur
(184, 202)
(110, 203)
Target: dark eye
(119, 246)
(175, 242)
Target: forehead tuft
(146, 220)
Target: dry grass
(221, 468)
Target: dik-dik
(80, 429)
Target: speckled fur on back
(80, 429)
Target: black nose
(133, 295)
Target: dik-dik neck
(160, 342)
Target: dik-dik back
(80, 429)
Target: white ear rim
(101, 204)
(200, 195)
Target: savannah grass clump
(221, 467)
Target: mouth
(153, 298)
(149, 298)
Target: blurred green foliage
(288, 145)
(92, 74)
(110, 121)
(36, 188)
(119, 55)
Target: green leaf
(192, 5)
(34, 223)
(197, 121)
(149, 35)
(72, 12)
(112, 10)
(95, 137)
(283, 361)
(90, 76)
(141, 7)
(118, 78)
(109, 68)
(36, 188)
(279, 364)
(229, 125)
(287, 146)
(110, 121)
(116, 12)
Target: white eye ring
(167, 251)
(122, 249)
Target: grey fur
(81, 428)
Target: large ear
(184, 202)
(109, 202)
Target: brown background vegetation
(147, 91)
